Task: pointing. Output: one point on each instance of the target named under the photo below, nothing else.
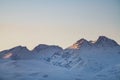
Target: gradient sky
(60, 22)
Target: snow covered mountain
(83, 49)
(84, 60)
(102, 42)
(18, 52)
(41, 51)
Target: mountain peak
(80, 43)
(19, 48)
(103, 38)
(102, 41)
(105, 41)
(40, 46)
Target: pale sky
(57, 22)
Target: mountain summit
(102, 41)
(80, 43)
(105, 42)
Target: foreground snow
(33, 70)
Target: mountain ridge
(82, 41)
(102, 41)
(41, 49)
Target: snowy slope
(110, 73)
(31, 70)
